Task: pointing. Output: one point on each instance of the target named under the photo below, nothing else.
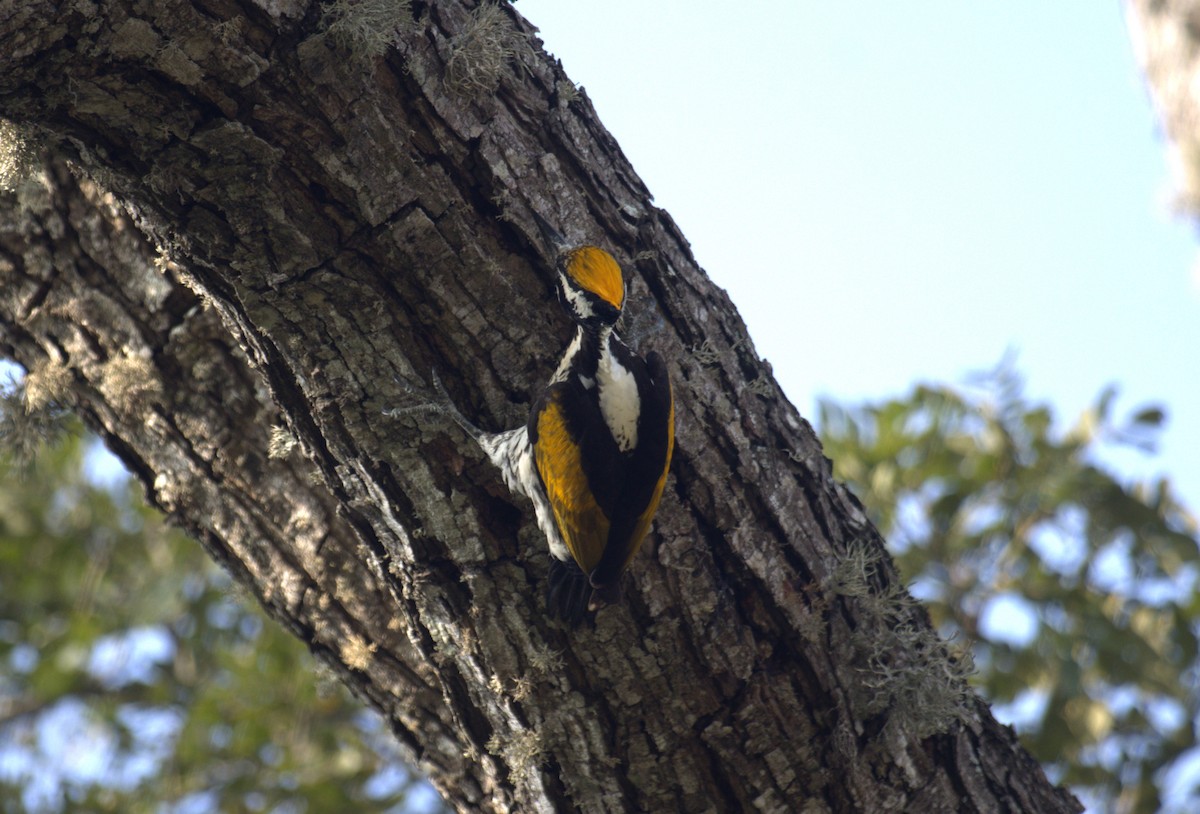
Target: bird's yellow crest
(595, 270)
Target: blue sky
(895, 193)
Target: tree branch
(356, 220)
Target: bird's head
(590, 286)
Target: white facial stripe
(579, 303)
(620, 403)
(572, 349)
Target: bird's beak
(557, 242)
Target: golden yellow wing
(559, 459)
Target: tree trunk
(351, 208)
(1166, 38)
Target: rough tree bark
(350, 208)
(1166, 38)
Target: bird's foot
(441, 405)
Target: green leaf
(1150, 416)
(988, 497)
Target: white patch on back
(620, 403)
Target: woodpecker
(594, 453)
(602, 435)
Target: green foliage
(1077, 591)
(134, 679)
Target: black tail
(567, 592)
